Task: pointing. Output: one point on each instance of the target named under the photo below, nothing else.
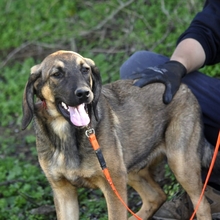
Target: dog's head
(68, 83)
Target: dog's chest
(78, 175)
(68, 156)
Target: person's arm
(204, 29)
(190, 53)
(198, 46)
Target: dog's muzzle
(77, 113)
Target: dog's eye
(85, 70)
(58, 74)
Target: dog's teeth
(64, 106)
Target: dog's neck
(67, 137)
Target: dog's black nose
(82, 93)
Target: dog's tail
(207, 155)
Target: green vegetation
(106, 31)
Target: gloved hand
(170, 74)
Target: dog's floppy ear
(28, 97)
(96, 89)
(96, 86)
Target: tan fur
(133, 128)
(46, 92)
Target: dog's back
(142, 120)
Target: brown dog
(133, 128)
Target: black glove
(170, 74)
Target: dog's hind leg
(186, 167)
(150, 192)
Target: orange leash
(208, 175)
(90, 133)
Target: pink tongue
(78, 115)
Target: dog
(132, 125)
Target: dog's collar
(44, 104)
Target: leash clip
(90, 131)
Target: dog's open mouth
(78, 115)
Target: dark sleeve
(205, 28)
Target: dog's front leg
(116, 210)
(66, 200)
